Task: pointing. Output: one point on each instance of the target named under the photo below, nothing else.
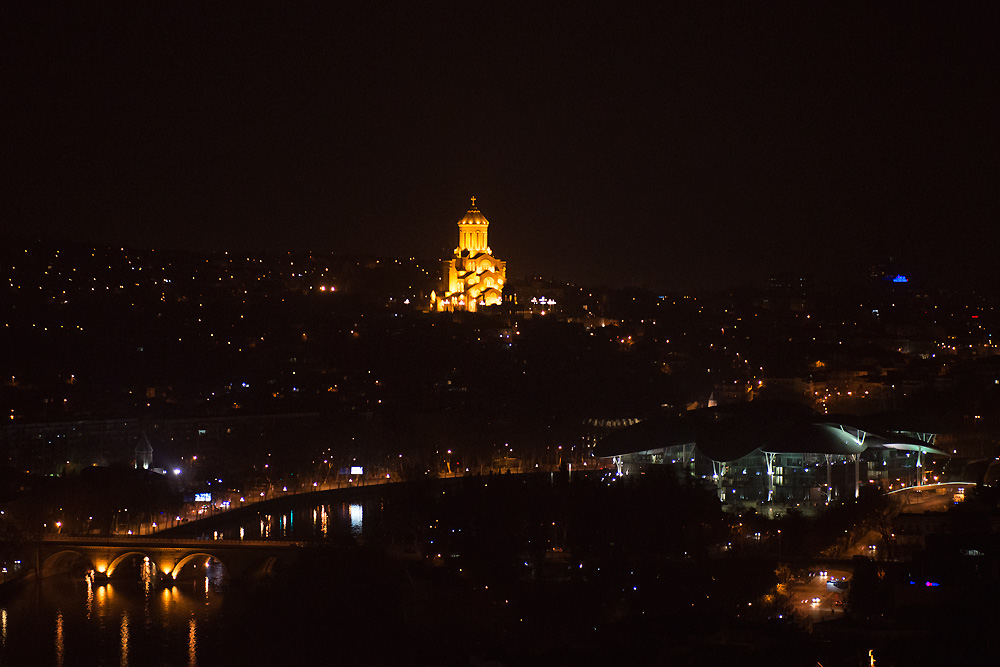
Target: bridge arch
(168, 557)
(117, 560)
(193, 556)
(266, 566)
(63, 560)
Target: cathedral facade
(473, 278)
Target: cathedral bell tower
(472, 230)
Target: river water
(394, 581)
(69, 619)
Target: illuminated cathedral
(473, 278)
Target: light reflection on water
(192, 643)
(309, 523)
(124, 639)
(357, 519)
(102, 598)
(65, 620)
(60, 642)
(90, 594)
(69, 620)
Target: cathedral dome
(473, 216)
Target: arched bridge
(242, 559)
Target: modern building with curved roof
(779, 453)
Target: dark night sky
(710, 144)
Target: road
(932, 497)
(802, 595)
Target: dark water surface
(459, 573)
(68, 620)
(203, 618)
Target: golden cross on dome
(473, 202)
